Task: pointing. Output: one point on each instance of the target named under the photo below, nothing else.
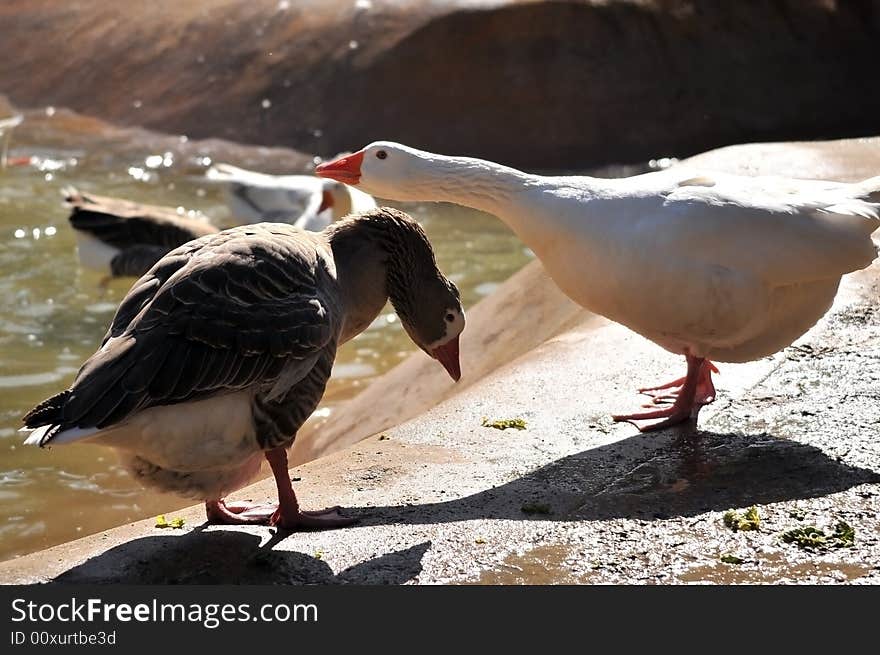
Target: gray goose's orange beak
(447, 354)
(345, 169)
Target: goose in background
(119, 238)
(217, 355)
(711, 266)
(6, 126)
(305, 201)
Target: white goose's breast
(677, 303)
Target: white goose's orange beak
(345, 169)
(447, 354)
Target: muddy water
(53, 314)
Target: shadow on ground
(674, 473)
(647, 477)
(231, 557)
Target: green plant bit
(844, 535)
(505, 423)
(808, 537)
(162, 522)
(812, 538)
(737, 522)
(536, 508)
(731, 559)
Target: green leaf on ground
(505, 423)
(743, 522)
(162, 522)
(812, 538)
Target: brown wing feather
(223, 313)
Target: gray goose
(305, 201)
(119, 238)
(218, 355)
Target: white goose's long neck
(470, 182)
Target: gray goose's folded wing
(226, 312)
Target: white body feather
(202, 449)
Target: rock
(533, 84)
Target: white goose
(304, 201)
(707, 265)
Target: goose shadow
(643, 477)
(234, 557)
(671, 474)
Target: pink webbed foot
(238, 512)
(657, 419)
(324, 519)
(285, 514)
(246, 513)
(685, 394)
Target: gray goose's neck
(377, 256)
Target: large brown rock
(535, 84)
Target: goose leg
(685, 399)
(286, 514)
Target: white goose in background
(708, 265)
(304, 201)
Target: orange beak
(345, 169)
(447, 354)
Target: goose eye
(381, 155)
(450, 318)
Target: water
(54, 314)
